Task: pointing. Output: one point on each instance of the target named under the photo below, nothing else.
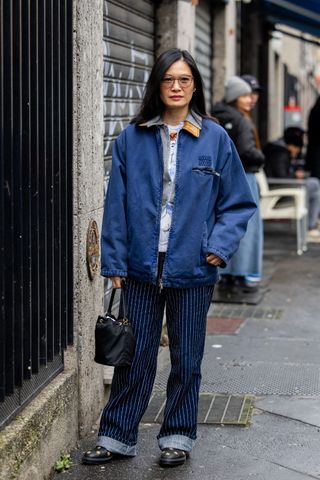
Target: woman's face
(177, 86)
(244, 102)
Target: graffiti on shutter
(128, 58)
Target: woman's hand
(214, 260)
(116, 281)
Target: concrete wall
(70, 404)
(186, 13)
(219, 49)
(48, 426)
(175, 25)
(230, 34)
(166, 25)
(276, 89)
(88, 198)
(224, 46)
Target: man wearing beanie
(244, 271)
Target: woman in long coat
(245, 268)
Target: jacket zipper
(160, 284)
(173, 208)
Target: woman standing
(245, 268)
(176, 207)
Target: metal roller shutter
(128, 38)
(128, 58)
(204, 47)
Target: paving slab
(274, 439)
(303, 409)
(223, 453)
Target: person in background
(255, 87)
(245, 268)
(255, 95)
(313, 150)
(177, 205)
(280, 157)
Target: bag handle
(124, 300)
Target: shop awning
(301, 14)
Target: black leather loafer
(172, 457)
(97, 456)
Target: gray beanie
(235, 87)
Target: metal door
(35, 196)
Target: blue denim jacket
(212, 206)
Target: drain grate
(257, 379)
(245, 311)
(213, 409)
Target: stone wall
(88, 198)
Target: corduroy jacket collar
(193, 123)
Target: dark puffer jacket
(278, 160)
(240, 130)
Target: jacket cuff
(113, 273)
(219, 254)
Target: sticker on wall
(93, 249)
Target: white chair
(296, 210)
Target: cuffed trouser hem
(115, 446)
(176, 441)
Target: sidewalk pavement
(274, 357)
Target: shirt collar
(192, 123)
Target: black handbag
(114, 340)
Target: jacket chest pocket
(205, 171)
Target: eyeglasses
(184, 81)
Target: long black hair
(152, 104)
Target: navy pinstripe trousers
(186, 312)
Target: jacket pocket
(206, 171)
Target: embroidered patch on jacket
(205, 161)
